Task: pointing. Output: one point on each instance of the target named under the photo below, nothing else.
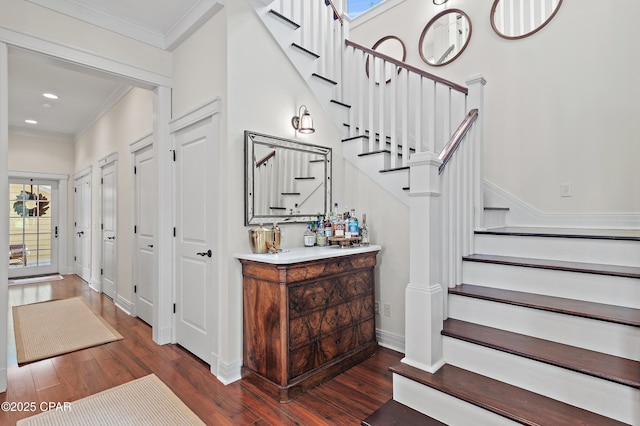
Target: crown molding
(102, 109)
(191, 21)
(144, 78)
(41, 134)
(182, 27)
(105, 20)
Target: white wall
(28, 18)
(40, 155)
(261, 91)
(561, 105)
(126, 122)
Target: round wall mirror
(392, 47)
(514, 19)
(445, 37)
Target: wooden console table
(308, 316)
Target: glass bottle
(338, 227)
(364, 231)
(276, 235)
(309, 237)
(328, 231)
(353, 224)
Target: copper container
(258, 239)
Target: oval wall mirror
(514, 19)
(392, 47)
(445, 37)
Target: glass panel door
(32, 228)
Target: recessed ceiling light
(50, 96)
(31, 121)
(439, 2)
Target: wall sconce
(303, 122)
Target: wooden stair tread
(619, 370)
(305, 50)
(284, 19)
(598, 311)
(394, 413)
(509, 401)
(558, 265)
(395, 169)
(597, 234)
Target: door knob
(111, 238)
(207, 253)
(150, 245)
(81, 233)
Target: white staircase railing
(410, 109)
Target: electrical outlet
(565, 190)
(377, 308)
(387, 310)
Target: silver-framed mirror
(515, 19)
(286, 181)
(445, 37)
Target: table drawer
(315, 325)
(328, 292)
(319, 352)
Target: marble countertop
(304, 254)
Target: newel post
(423, 295)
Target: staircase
(504, 326)
(544, 330)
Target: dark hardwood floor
(345, 400)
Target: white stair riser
(443, 407)
(393, 182)
(494, 218)
(601, 336)
(605, 289)
(614, 252)
(600, 396)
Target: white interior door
(33, 227)
(196, 219)
(82, 227)
(109, 247)
(146, 203)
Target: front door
(33, 227)
(196, 217)
(82, 227)
(108, 225)
(146, 203)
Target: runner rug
(48, 329)
(144, 401)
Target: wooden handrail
(456, 138)
(265, 158)
(408, 67)
(336, 14)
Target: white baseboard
(95, 286)
(391, 341)
(228, 373)
(523, 214)
(124, 305)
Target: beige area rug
(48, 329)
(144, 401)
(29, 280)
